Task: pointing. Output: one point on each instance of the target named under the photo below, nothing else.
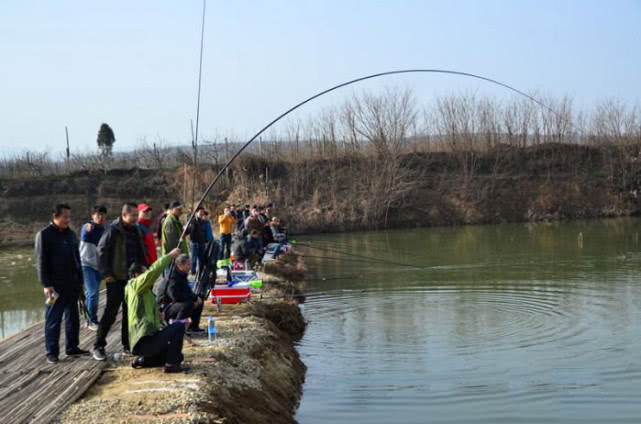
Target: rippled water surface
(21, 296)
(507, 323)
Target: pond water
(21, 296)
(511, 323)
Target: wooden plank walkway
(33, 391)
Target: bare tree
(383, 120)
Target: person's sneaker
(172, 369)
(196, 330)
(92, 326)
(138, 362)
(99, 354)
(52, 359)
(77, 352)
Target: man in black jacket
(119, 247)
(57, 261)
(255, 244)
(198, 236)
(161, 219)
(184, 303)
(248, 249)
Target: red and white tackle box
(237, 293)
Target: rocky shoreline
(252, 373)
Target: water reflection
(12, 322)
(21, 297)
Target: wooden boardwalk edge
(34, 391)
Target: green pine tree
(106, 139)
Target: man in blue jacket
(208, 230)
(89, 238)
(58, 265)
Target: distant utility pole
(194, 146)
(200, 73)
(226, 158)
(67, 134)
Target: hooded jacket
(144, 317)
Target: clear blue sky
(134, 64)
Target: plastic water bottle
(211, 329)
(49, 301)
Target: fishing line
(350, 82)
(342, 248)
(333, 258)
(345, 277)
(336, 258)
(384, 250)
(369, 258)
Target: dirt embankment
(250, 374)
(348, 192)
(26, 203)
(551, 181)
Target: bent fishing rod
(345, 84)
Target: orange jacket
(226, 224)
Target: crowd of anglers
(124, 255)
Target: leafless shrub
(613, 123)
(520, 123)
(385, 121)
(154, 155)
(28, 164)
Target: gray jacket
(88, 245)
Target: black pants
(225, 246)
(67, 304)
(164, 347)
(115, 298)
(182, 310)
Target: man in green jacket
(172, 228)
(154, 346)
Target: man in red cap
(145, 227)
